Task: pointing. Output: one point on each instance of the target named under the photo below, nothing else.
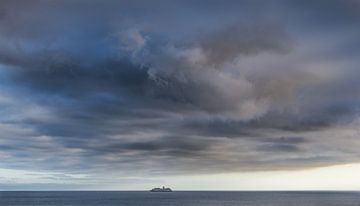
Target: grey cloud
(279, 147)
(227, 45)
(285, 144)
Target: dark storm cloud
(186, 87)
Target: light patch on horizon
(339, 177)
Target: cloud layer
(141, 88)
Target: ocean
(179, 199)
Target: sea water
(179, 198)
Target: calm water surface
(179, 198)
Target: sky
(195, 95)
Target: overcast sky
(135, 94)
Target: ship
(163, 189)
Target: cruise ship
(163, 189)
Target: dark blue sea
(179, 198)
